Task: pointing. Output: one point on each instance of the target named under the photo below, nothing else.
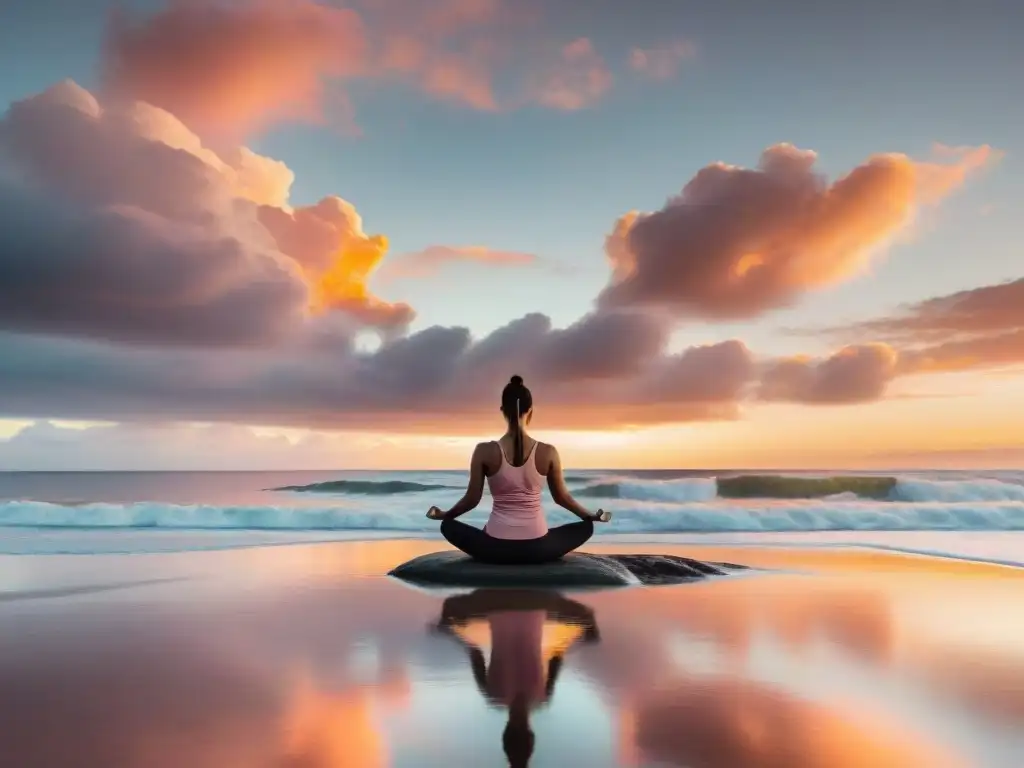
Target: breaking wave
(365, 487)
(778, 487)
(641, 504)
(630, 517)
(386, 487)
(706, 489)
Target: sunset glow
(311, 235)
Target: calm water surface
(304, 656)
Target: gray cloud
(437, 379)
(854, 374)
(122, 274)
(117, 223)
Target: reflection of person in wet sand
(517, 677)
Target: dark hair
(515, 401)
(518, 740)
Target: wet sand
(307, 657)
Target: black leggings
(480, 545)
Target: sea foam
(629, 516)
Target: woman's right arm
(560, 493)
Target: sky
(310, 234)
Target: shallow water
(305, 656)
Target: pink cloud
(577, 78)
(661, 62)
(972, 329)
(232, 67)
(227, 69)
(465, 78)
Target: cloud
(987, 309)
(576, 79)
(120, 224)
(338, 257)
(985, 351)
(661, 62)
(227, 69)
(602, 346)
(854, 374)
(223, 66)
(464, 76)
(598, 374)
(738, 242)
(938, 179)
(148, 277)
(972, 329)
(431, 260)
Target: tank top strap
(504, 459)
(530, 465)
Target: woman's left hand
(435, 513)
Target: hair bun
(516, 381)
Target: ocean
(971, 514)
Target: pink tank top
(516, 669)
(517, 512)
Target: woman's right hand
(602, 516)
(434, 513)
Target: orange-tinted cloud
(337, 256)
(854, 374)
(938, 179)
(738, 242)
(122, 225)
(972, 329)
(432, 259)
(229, 67)
(577, 78)
(661, 62)
(125, 234)
(989, 351)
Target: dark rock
(575, 570)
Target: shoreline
(1003, 549)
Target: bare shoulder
(487, 455)
(547, 458)
(484, 451)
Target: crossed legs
(480, 545)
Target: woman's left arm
(475, 490)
